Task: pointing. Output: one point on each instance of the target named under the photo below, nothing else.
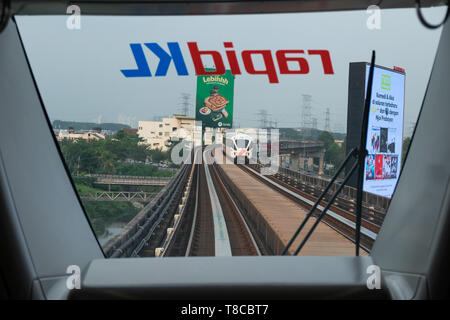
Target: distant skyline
(79, 78)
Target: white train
(239, 147)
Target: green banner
(214, 100)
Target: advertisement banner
(385, 131)
(214, 100)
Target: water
(111, 231)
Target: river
(111, 231)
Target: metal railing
(181, 212)
(138, 231)
(138, 196)
(130, 180)
(316, 185)
(119, 176)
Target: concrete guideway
(330, 212)
(276, 217)
(222, 241)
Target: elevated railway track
(227, 209)
(216, 225)
(340, 220)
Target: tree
(334, 154)
(326, 138)
(290, 134)
(106, 158)
(344, 146)
(158, 156)
(405, 147)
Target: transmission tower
(262, 115)
(185, 104)
(327, 120)
(306, 111)
(314, 123)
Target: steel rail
(194, 219)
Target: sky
(78, 71)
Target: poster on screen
(384, 131)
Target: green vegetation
(326, 138)
(59, 124)
(139, 169)
(290, 134)
(334, 154)
(405, 147)
(84, 189)
(121, 154)
(307, 134)
(104, 213)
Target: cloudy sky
(78, 71)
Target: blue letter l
(143, 70)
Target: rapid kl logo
(175, 56)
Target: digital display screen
(384, 131)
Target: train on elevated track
(239, 147)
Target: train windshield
(241, 143)
(141, 107)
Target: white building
(84, 135)
(157, 134)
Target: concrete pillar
(321, 163)
(302, 162)
(294, 162)
(283, 159)
(310, 163)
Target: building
(339, 142)
(75, 135)
(130, 131)
(158, 134)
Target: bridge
(130, 180)
(139, 196)
(300, 154)
(228, 209)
